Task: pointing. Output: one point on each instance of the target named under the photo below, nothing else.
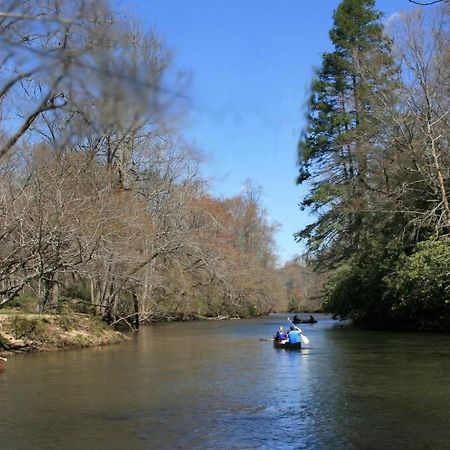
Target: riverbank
(46, 332)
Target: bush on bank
(383, 288)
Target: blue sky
(251, 62)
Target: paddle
(304, 339)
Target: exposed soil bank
(44, 332)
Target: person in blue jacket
(294, 335)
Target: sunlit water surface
(214, 385)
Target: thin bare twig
(427, 3)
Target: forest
(103, 207)
(375, 157)
(105, 211)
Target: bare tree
(424, 93)
(59, 58)
(97, 189)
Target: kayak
(287, 345)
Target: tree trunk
(136, 311)
(45, 296)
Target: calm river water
(216, 385)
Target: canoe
(305, 321)
(287, 345)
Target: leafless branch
(427, 3)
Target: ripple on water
(217, 386)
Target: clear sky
(252, 62)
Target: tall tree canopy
(375, 155)
(336, 149)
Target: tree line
(103, 208)
(375, 156)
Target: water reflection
(216, 385)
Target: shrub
(26, 327)
(420, 286)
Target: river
(217, 385)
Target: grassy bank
(20, 332)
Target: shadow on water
(217, 385)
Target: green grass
(26, 302)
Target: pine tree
(342, 134)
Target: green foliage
(26, 327)
(358, 289)
(25, 302)
(384, 287)
(377, 182)
(76, 298)
(343, 115)
(78, 289)
(356, 25)
(421, 284)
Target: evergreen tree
(375, 156)
(336, 152)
